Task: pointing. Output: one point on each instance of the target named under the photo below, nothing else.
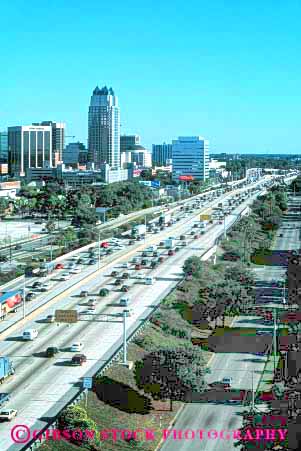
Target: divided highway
(42, 386)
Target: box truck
(6, 368)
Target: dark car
(37, 284)
(144, 262)
(3, 258)
(103, 292)
(144, 254)
(125, 275)
(161, 259)
(182, 237)
(177, 249)
(92, 262)
(171, 252)
(29, 296)
(51, 351)
(138, 267)
(125, 288)
(114, 273)
(196, 236)
(18, 247)
(118, 282)
(78, 359)
(154, 263)
(155, 254)
(131, 242)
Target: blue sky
(228, 71)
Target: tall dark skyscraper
(104, 128)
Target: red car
(104, 244)
(59, 266)
(171, 252)
(138, 267)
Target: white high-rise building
(104, 128)
(190, 157)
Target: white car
(125, 265)
(75, 270)
(139, 276)
(76, 347)
(90, 311)
(65, 276)
(8, 414)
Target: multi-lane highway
(42, 386)
(245, 369)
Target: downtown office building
(190, 157)
(104, 128)
(35, 146)
(161, 154)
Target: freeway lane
(237, 366)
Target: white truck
(169, 243)
(164, 218)
(139, 230)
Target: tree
(171, 374)
(3, 205)
(75, 418)
(193, 267)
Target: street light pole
(124, 339)
(98, 249)
(275, 338)
(24, 295)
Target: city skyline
(234, 79)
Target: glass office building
(104, 128)
(161, 154)
(3, 147)
(29, 147)
(190, 157)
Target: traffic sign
(66, 316)
(87, 382)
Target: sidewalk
(265, 383)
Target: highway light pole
(24, 295)
(124, 339)
(98, 249)
(275, 338)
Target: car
(90, 311)
(135, 260)
(78, 359)
(177, 249)
(8, 415)
(125, 275)
(227, 381)
(161, 259)
(75, 270)
(81, 261)
(50, 319)
(218, 385)
(84, 293)
(131, 242)
(64, 276)
(17, 247)
(104, 292)
(118, 282)
(76, 347)
(29, 296)
(220, 222)
(59, 266)
(139, 276)
(125, 265)
(92, 262)
(171, 252)
(114, 273)
(51, 351)
(195, 226)
(281, 235)
(124, 301)
(92, 303)
(3, 258)
(37, 285)
(182, 237)
(45, 287)
(109, 251)
(125, 288)
(196, 236)
(138, 266)
(4, 397)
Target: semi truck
(46, 268)
(10, 301)
(139, 230)
(6, 368)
